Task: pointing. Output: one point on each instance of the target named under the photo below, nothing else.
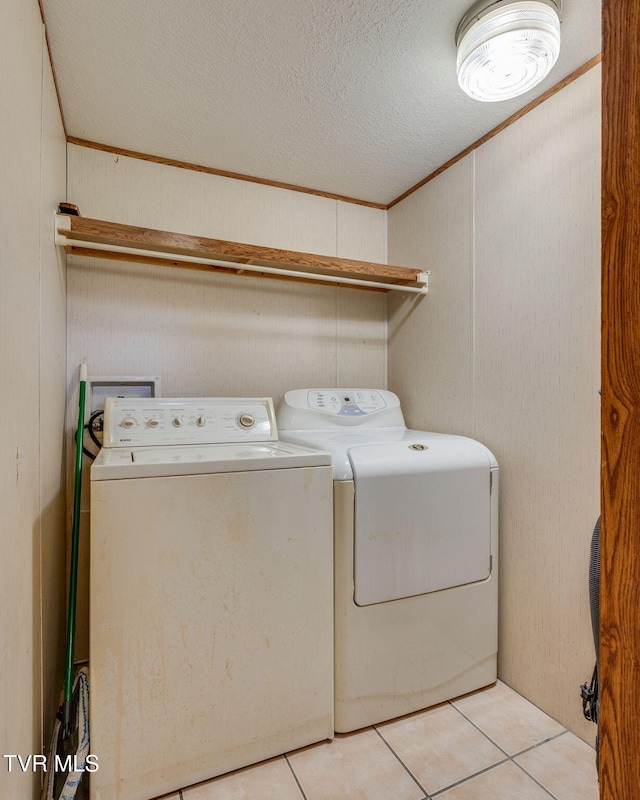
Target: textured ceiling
(354, 97)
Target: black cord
(94, 438)
(89, 425)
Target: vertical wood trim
(620, 546)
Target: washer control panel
(188, 420)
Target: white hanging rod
(63, 241)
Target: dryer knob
(177, 422)
(201, 421)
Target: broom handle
(75, 540)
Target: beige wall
(32, 364)
(216, 335)
(53, 359)
(506, 348)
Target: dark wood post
(620, 544)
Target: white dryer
(211, 594)
(416, 549)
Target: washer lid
(422, 517)
(153, 462)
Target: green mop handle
(75, 540)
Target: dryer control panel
(303, 409)
(349, 403)
(188, 420)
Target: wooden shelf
(99, 239)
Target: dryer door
(422, 517)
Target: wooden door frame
(619, 729)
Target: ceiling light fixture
(506, 47)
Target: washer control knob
(201, 421)
(153, 423)
(177, 422)
(247, 420)
(128, 422)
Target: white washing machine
(211, 614)
(416, 554)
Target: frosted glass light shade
(505, 51)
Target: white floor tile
(270, 780)
(509, 720)
(566, 766)
(504, 782)
(356, 766)
(440, 746)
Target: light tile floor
(489, 745)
